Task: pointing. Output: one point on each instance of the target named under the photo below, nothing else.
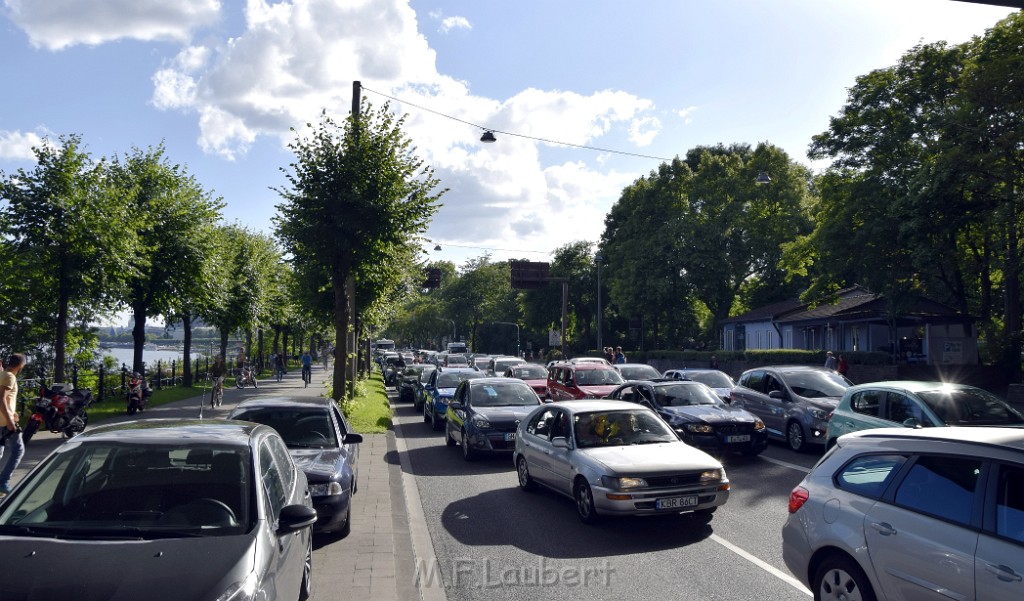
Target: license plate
(676, 502)
(510, 436)
(738, 438)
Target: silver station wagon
(616, 458)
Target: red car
(589, 380)
(534, 375)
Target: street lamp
(509, 323)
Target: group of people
(614, 355)
(12, 447)
(836, 364)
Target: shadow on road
(544, 523)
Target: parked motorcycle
(138, 393)
(246, 376)
(58, 411)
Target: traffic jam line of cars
(894, 490)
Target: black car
(322, 445)
(408, 382)
(160, 509)
(698, 415)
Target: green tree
(170, 212)
(357, 195)
(65, 227)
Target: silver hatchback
(917, 515)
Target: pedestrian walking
(12, 447)
(714, 362)
(842, 366)
(830, 361)
(620, 357)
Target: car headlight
(758, 424)
(622, 483)
(712, 475)
(325, 489)
(480, 422)
(819, 414)
(700, 428)
(242, 591)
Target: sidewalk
(375, 561)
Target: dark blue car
(321, 444)
(441, 389)
(699, 416)
(485, 412)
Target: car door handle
(883, 528)
(1004, 573)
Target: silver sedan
(616, 458)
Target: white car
(616, 458)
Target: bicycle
(307, 375)
(217, 394)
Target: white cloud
(685, 114)
(57, 24)
(643, 130)
(18, 145)
(450, 23)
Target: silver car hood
(119, 570)
(651, 459)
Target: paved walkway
(375, 561)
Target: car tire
(435, 424)
(839, 577)
(468, 452)
(526, 481)
(426, 418)
(448, 440)
(306, 587)
(795, 437)
(346, 529)
(584, 498)
(752, 452)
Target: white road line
(764, 566)
(791, 466)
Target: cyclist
(217, 373)
(279, 366)
(307, 367)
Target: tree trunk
(186, 326)
(259, 351)
(139, 337)
(62, 321)
(340, 334)
(224, 345)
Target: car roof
(588, 406)
(913, 385)
(494, 380)
(695, 369)
(286, 401)
(633, 365)
(171, 430)
(1012, 437)
(584, 365)
(789, 368)
(447, 370)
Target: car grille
(733, 428)
(673, 481)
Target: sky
(226, 85)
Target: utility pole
(351, 364)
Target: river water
(124, 356)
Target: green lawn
(117, 405)
(369, 412)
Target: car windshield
(620, 427)
(970, 407)
(597, 377)
(504, 394)
(714, 379)
(451, 379)
(114, 490)
(425, 375)
(502, 364)
(638, 372)
(817, 384)
(685, 395)
(529, 372)
(300, 428)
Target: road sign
(528, 275)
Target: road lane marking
(791, 466)
(763, 565)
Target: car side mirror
(560, 442)
(352, 439)
(548, 400)
(294, 518)
(455, 406)
(911, 422)
(776, 394)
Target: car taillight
(797, 498)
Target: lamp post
(509, 323)
(599, 259)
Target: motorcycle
(137, 395)
(59, 411)
(246, 375)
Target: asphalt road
(494, 541)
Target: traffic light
(433, 278)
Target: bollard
(159, 376)
(174, 369)
(99, 387)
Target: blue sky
(221, 83)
